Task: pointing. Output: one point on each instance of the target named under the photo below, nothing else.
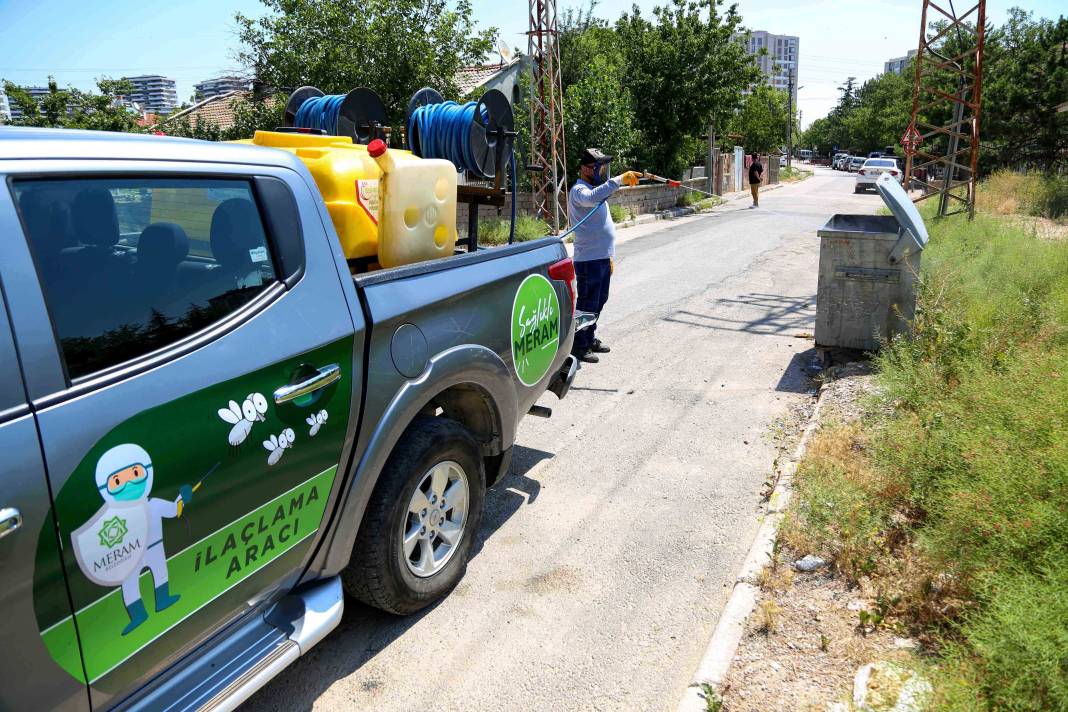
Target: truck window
(131, 265)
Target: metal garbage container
(869, 266)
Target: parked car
(855, 163)
(782, 161)
(181, 338)
(872, 169)
(841, 161)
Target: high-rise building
(220, 85)
(153, 93)
(897, 64)
(36, 93)
(779, 62)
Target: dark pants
(593, 276)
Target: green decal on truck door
(179, 516)
(197, 575)
(535, 328)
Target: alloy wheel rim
(436, 520)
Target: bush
(495, 231)
(619, 213)
(950, 496)
(1007, 192)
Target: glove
(185, 496)
(630, 178)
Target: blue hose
(320, 112)
(442, 131)
(584, 217)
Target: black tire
(378, 574)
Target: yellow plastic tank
(348, 179)
(418, 220)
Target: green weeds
(950, 498)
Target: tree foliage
(681, 67)
(393, 46)
(72, 108)
(599, 107)
(762, 120)
(1025, 79)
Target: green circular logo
(535, 328)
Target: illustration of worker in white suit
(125, 536)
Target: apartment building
(153, 93)
(218, 86)
(780, 62)
(897, 64)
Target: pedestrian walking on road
(756, 170)
(595, 242)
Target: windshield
(881, 163)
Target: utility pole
(960, 155)
(549, 185)
(790, 118)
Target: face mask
(600, 173)
(131, 491)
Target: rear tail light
(564, 270)
(893, 173)
(862, 172)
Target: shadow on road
(364, 631)
(800, 372)
(777, 315)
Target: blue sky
(191, 40)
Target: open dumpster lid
(902, 208)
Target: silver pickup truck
(211, 431)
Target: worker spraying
(595, 242)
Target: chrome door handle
(10, 520)
(323, 378)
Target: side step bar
(306, 618)
(245, 656)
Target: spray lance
(675, 184)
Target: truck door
(193, 410)
(32, 678)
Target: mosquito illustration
(243, 416)
(316, 421)
(278, 444)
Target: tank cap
(376, 148)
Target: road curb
(719, 653)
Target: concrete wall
(641, 199)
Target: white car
(872, 169)
(782, 161)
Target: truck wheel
(421, 521)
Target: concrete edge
(723, 644)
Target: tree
(681, 68)
(762, 120)
(599, 107)
(393, 46)
(881, 113)
(1026, 79)
(75, 109)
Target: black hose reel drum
(362, 115)
(489, 143)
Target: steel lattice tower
(958, 156)
(549, 185)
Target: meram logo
(535, 328)
(112, 532)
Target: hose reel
(477, 136)
(360, 114)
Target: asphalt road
(605, 558)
